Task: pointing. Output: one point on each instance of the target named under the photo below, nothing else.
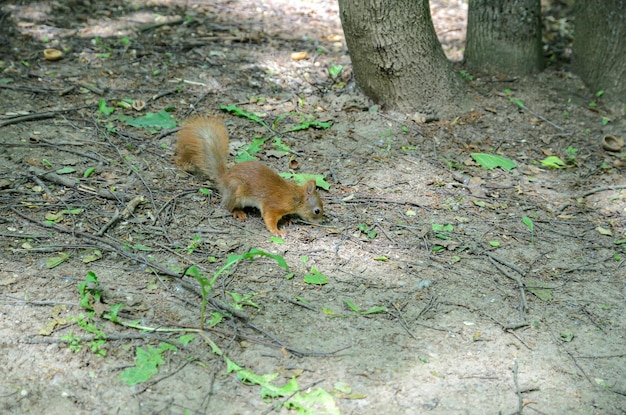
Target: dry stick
(520, 402)
(558, 127)
(403, 322)
(41, 115)
(370, 200)
(125, 214)
(38, 340)
(29, 117)
(43, 186)
(506, 263)
(62, 147)
(112, 245)
(520, 284)
(68, 182)
(601, 189)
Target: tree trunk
(599, 52)
(398, 60)
(504, 36)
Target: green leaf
(567, 336)
(375, 310)
(301, 178)
(529, 223)
(185, 339)
(352, 306)
(491, 161)
(158, 120)
(544, 294)
(102, 108)
(65, 170)
(57, 260)
(315, 277)
(335, 70)
(146, 365)
(112, 313)
(553, 162)
(141, 247)
(241, 113)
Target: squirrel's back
(202, 147)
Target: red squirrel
(202, 149)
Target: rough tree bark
(599, 53)
(397, 58)
(504, 36)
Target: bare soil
(482, 317)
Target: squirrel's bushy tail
(203, 147)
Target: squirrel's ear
(309, 187)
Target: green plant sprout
(314, 277)
(553, 162)
(531, 226)
(465, 75)
(146, 364)
(90, 297)
(357, 310)
(334, 71)
(206, 285)
(197, 241)
(367, 231)
(241, 300)
(148, 359)
(571, 154)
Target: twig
(298, 303)
(520, 284)
(371, 200)
(601, 189)
(71, 183)
(125, 214)
(403, 322)
(41, 115)
(113, 246)
(558, 127)
(506, 263)
(520, 402)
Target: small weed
(466, 76)
(206, 285)
(314, 277)
(531, 226)
(146, 364)
(571, 155)
(197, 241)
(368, 231)
(356, 309)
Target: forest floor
(433, 285)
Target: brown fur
(202, 148)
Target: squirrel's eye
(316, 211)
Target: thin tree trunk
(504, 36)
(398, 60)
(599, 55)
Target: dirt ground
(472, 311)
